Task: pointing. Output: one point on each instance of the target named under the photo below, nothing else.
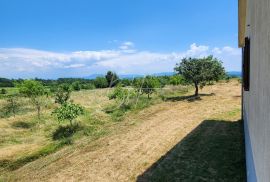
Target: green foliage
(33, 90)
(200, 71)
(89, 86)
(126, 82)
(176, 80)
(147, 85)
(3, 91)
(12, 106)
(4, 82)
(62, 94)
(101, 82)
(112, 79)
(119, 93)
(68, 111)
(76, 86)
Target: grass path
(129, 152)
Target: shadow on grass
(189, 98)
(63, 132)
(214, 151)
(22, 124)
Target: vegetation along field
(111, 129)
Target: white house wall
(257, 100)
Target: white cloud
(227, 50)
(197, 51)
(75, 66)
(126, 45)
(21, 62)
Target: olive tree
(34, 90)
(68, 111)
(200, 71)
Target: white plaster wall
(257, 100)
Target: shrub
(147, 85)
(3, 91)
(176, 80)
(126, 82)
(68, 111)
(89, 86)
(101, 82)
(12, 106)
(76, 86)
(119, 93)
(62, 94)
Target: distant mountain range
(130, 76)
(235, 73)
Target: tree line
(195, 71)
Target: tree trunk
(196, 89)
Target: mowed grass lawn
(24, 138)
(175, 137)
(213, 151)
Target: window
(246, 64)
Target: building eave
(242, 11)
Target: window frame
(246, 65)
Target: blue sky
(76, 38)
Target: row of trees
(196, 71)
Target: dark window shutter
(246, 64)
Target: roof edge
(242, 13)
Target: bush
(119, 93)
(3, 91)
(147, 85)
(11, 107)
(62, 94)
(176, 80)
(126, 82)
(68, 111)
(76, 86)
(101, 82)
(89, 86)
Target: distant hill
(94, 76)
(235, 73)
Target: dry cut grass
(205, 127)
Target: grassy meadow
(25, 138)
